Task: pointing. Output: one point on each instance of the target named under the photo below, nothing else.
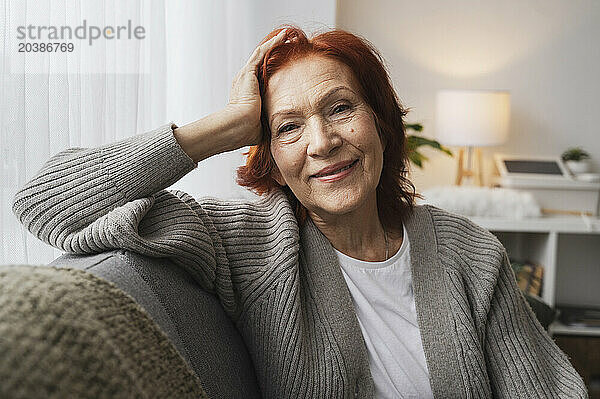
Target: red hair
(395, 193)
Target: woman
(339, 284)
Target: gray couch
(192, 318)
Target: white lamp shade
(474, 118)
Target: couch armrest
(192, 318)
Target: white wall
(545, 52)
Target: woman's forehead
(309, 78)
(310, 70)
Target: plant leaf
(413, 126)
(413, 142)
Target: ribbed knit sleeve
(90, 200)
(77, 186)
(523, 361)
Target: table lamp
(472, 119)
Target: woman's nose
(324, 139)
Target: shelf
(558, 328)
(545, 224)
(568, 247)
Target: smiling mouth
(337, 171)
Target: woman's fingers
(260, 51)
(244, 98)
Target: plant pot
(577, 167)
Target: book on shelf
(529, 276)
(579, 316)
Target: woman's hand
(244, 99)
(238, 124)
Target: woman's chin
(341, 204)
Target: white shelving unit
(569, 250)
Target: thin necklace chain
(386, 243)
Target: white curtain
(180, 72)
(94, 95)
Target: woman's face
(318, 119)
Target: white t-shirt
(385, 305)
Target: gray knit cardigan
(281, 283)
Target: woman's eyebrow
(323, 99)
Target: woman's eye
(340, 108)
(284, 128)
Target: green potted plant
(413, 142)
(577, 160)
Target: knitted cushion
(65, 333)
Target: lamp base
(469, 171)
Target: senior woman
(339, 284)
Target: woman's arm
(222, 131)
(90, 200)
(522, 359)
(78, 186)
(240, 119)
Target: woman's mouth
(338, 174)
